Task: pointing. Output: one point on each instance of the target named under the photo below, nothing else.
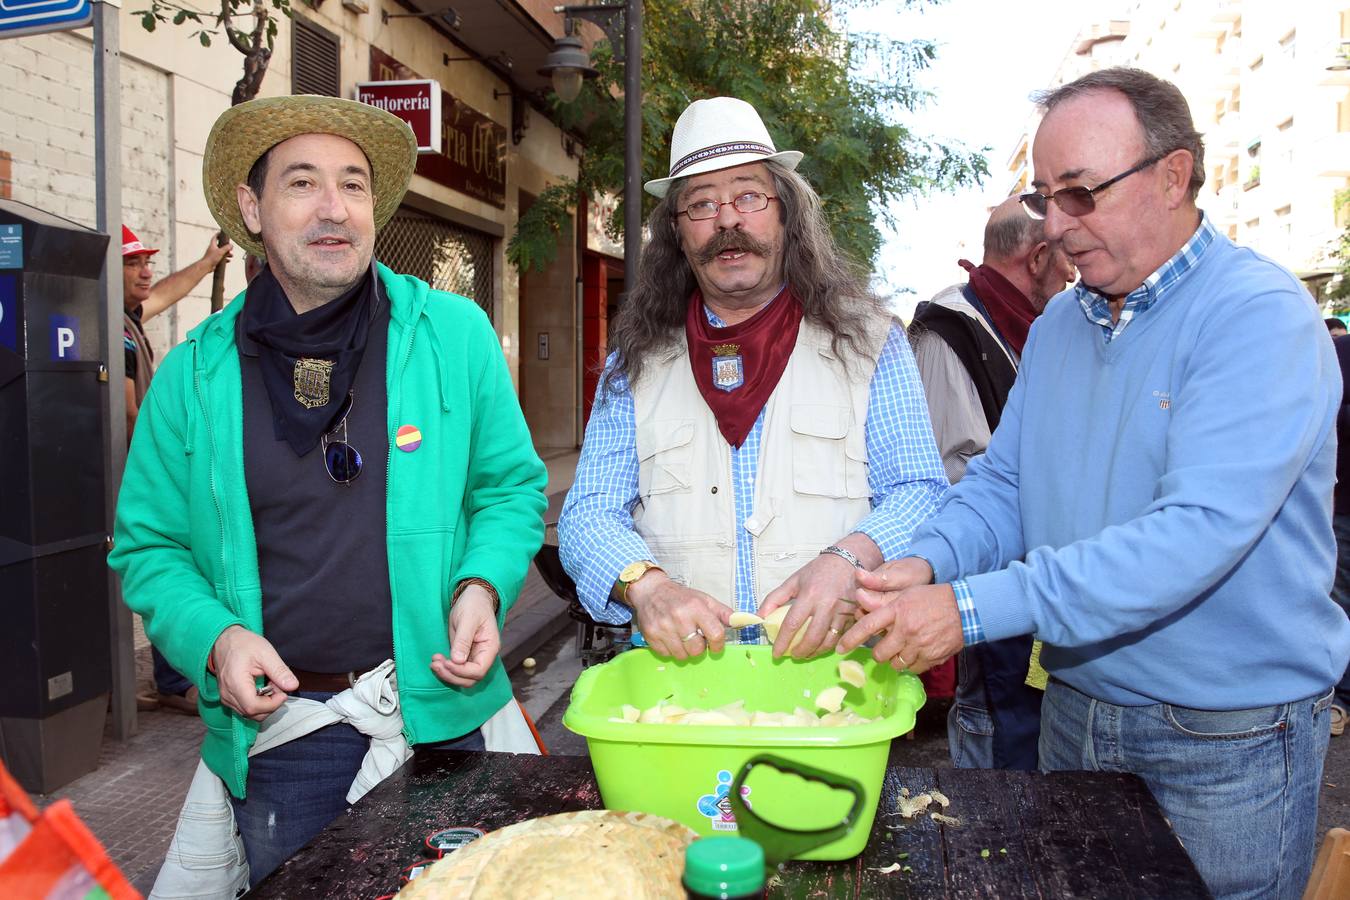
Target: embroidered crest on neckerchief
(728, 367)
(311, 379)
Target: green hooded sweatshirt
(467, 504)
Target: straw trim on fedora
(718, 133)
(245, 132)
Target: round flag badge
(408, 438)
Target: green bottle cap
(724, 867)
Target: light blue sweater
(1171, 494)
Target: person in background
(968, 342)
(143, 298)
(1340, 522)
(1336, 327)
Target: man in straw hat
(760, 430)
(341, 477)
(1155, 504)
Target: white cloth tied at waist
(206, 857)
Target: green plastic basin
(684, 772)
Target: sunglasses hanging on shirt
(341, 459)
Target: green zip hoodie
(468, 503)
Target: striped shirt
(596, 534)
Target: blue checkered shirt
(1096, 308)
(596, 532)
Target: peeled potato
(852, 672)
(773, 622)
(745, 619)
(831, 699)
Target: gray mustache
(725, 240)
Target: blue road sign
(19, 17)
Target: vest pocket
(822, 464)
(665, 456)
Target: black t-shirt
(322, 555)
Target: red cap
(131, 245)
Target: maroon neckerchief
(1011, 311)
(755, 352)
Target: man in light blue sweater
(1155, 504)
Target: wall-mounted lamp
(447, 15)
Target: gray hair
(1159, 105)
(832, 289)
(1007, 236)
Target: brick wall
(47, 131)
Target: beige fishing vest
(811, 484)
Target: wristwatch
(629, 574)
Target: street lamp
(569, 63)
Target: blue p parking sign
(19, 17)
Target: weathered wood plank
(1070, 834)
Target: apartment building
(1269, 87)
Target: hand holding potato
(675, 620)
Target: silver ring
(835, 631)
(697, 632)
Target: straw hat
(245, 132)
(718, 133)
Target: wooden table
(1070, 834)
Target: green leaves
(535, 243)
(840, 99)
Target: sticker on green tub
(717, 805)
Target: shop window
(447, 256)
(314, 59)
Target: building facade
(1269, 88)
(498, 152)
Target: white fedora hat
(718, 133)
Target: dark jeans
(167, 678)
(1340, 592)
(296, 789)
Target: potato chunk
(852, 672)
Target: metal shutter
(447, 256)
(314, 59)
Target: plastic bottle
(723, 868)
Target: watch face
(633, 571)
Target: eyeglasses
(749, 202)
(341, 459)
(1075, 201)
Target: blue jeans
(1239, 787)
(1340, 592)
(296, 789)
(167, 678)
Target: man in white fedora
(760, 430)
(331, 499)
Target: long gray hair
(832, 289)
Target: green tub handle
(782, 844)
